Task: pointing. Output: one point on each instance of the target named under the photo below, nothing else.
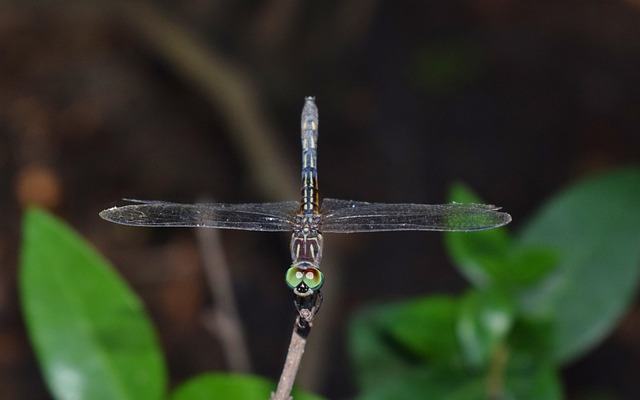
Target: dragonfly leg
(308, 307)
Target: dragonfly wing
(250, 216)
(346, 216)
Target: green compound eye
(312, 277)
(294, 277)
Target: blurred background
(180, 100)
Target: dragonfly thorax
(307, 223)
(306, 246)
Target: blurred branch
(224, 320)
(226, 86)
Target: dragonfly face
(304, 279)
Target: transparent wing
(345, 216)
(250, 217)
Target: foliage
(91, 334)
(231, 387)
(539, 299)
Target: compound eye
(294, 277)
(313, 277)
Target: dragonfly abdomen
(309, 192)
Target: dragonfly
(308, 219)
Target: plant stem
(292, 363)
(495, 378)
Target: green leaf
(374, 356)
(532, 339)
(231, 387)
(485, 319)
(595, 227)
(90, 333)
(508, 377)
(527, 380)
(474, 253)
(432, 383)
(388, 341)
(489, 258)
(411, 351)
(524, 266)
(424, 328)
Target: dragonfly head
(304, 279)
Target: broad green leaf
(484, 321)
(532, 340)
(595, 228)
(516, 380)
(410, 351)
(90, 333)
(231, 387)
(425, 328)
(388, 341)
(474, 252)
(428, 383)
(375, 359)
(524, 266)
(526, 380)
(490, 258)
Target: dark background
(515, 98)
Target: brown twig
(290, 369)
(301, 330)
